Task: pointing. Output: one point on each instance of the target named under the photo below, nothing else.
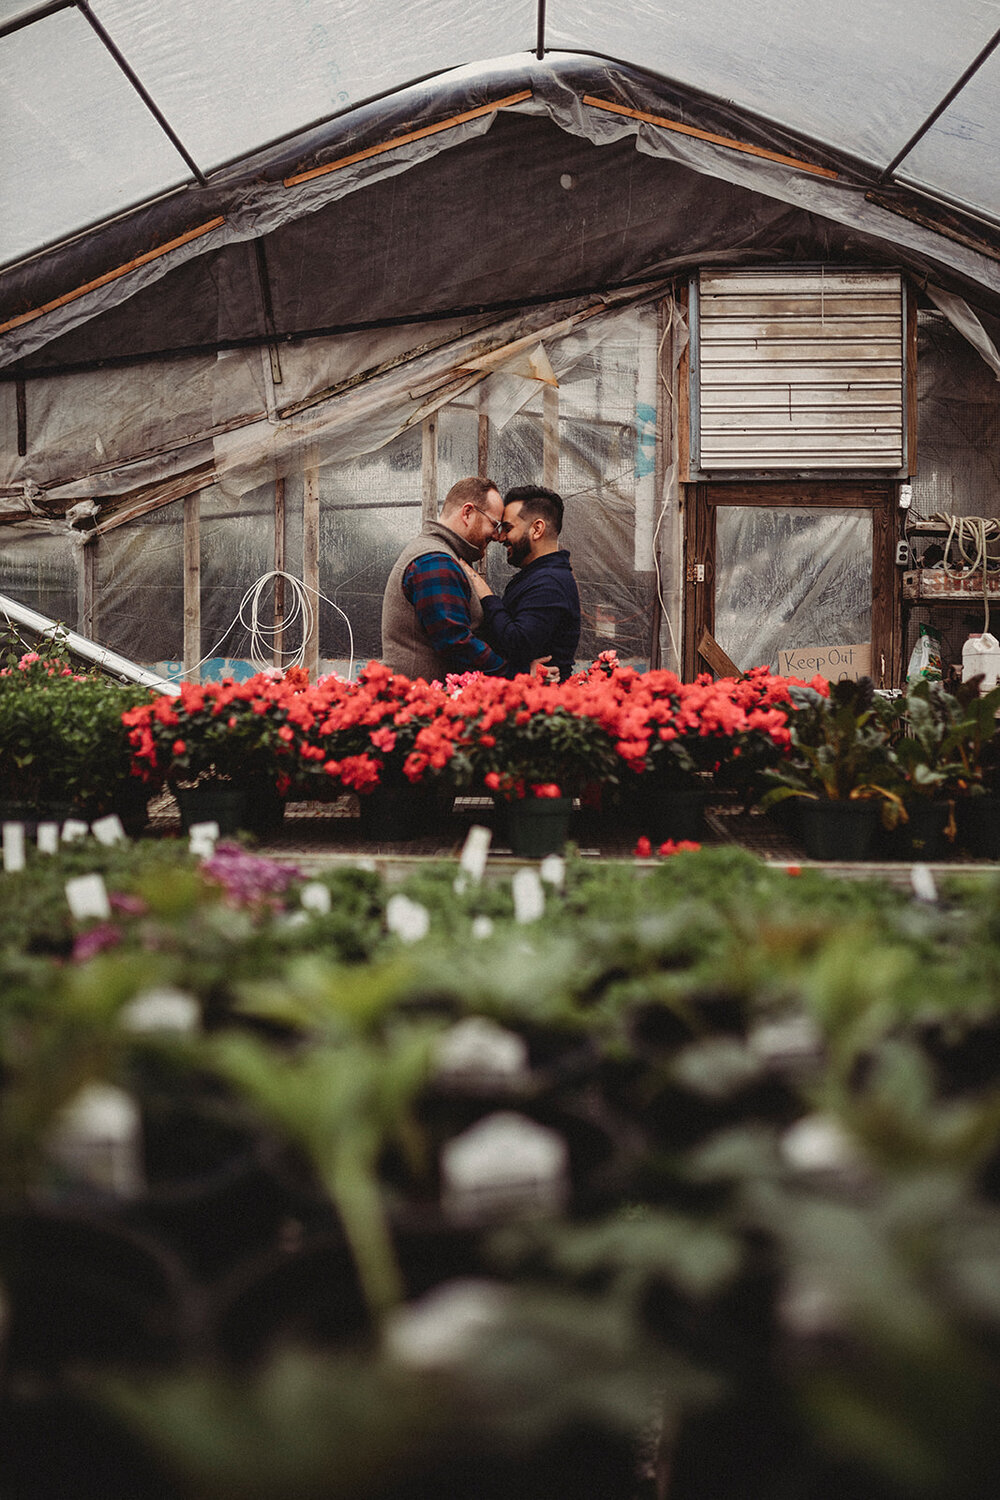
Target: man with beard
(539, 613)
(430, 616)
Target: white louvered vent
(800, 370)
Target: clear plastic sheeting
(231, 76)
(958, 155)
(41, 569)
(63, 99)
(371, 503)
(861, 78)
(958, 435)
(790, 578)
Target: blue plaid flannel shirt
(439, 592)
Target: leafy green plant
(62, 740)
(839, 748)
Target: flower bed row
(516, 738)
(609, 735)
(296, 1201)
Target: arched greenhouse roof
(142, 137)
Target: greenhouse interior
(476, 1084)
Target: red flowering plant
(522, 737)
(381, 730)
(211, 731)
(673, 734)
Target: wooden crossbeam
(715, 658)
(707, 135)
(404, 140)
(108, 276)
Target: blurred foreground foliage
(773, 1269)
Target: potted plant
(535, 746)
(385, 738)
(838, 763)
(924, 725)
(973, 742)
(213, 743)
(63, 746)
(673, 737)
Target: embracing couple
(439, 615)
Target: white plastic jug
(981, 653)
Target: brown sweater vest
(406, 646)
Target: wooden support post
(279, 567)
(192, 582)
(483, 446)
(86, 602)
(429, 468)
(664, 436)
(550, 437)
(310, 564)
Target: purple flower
(95, 940)
(129, 906)
(249, 879)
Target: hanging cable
(971, 536)
(263, 638)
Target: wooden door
(769, 563)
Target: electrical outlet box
(902, 554)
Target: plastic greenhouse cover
(958, 156)
(235, 74)
(860, 76)
(548, 223)
(231, 75)
(62, 100)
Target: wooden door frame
(879, 496)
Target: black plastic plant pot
(212, 802)
(306, 1293)
(922, 836)
(835, 831)
(393, 813)
(538, 826)
(84, 1288)
(216, 1218)
(978, 821)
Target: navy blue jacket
(539, 615)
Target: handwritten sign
(835, 663)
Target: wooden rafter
(707, 135)
(404, 140)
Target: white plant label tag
(48, 838)
(504, 1165)
(88, 897)
(109, 830)
(162, 1010)
(407, 919)
(97, 1138)
(553, 870)
(74, 829)
(923, 883)
(202, 838)
(529, 895)
(13, 847)
(474, 852)
(316, 898)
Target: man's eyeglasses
(497, 525)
